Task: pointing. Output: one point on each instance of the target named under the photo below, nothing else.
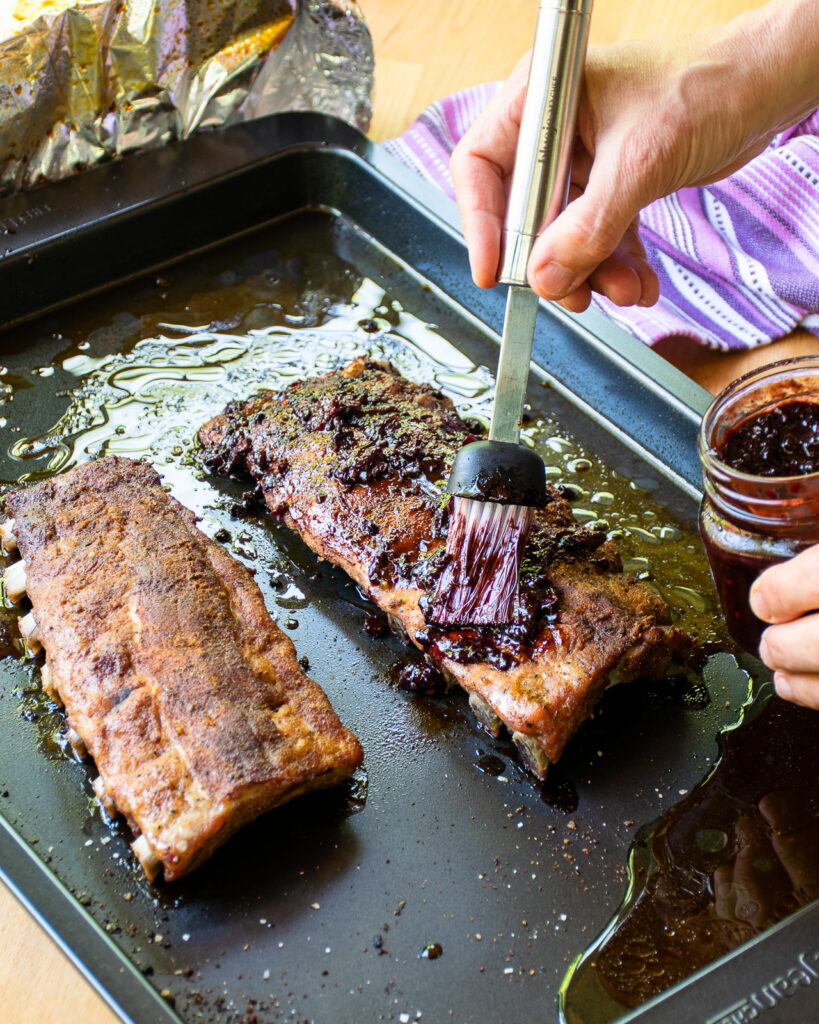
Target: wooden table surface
(424, 49)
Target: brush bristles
(479, 585)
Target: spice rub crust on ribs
(351, 461)
(171, 671)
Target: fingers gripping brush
(496, 483)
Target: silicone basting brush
(495, 484)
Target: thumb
(586, 233)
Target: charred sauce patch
(378, 423)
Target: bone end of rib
(77, 743)
(104, 797)
(7, 536)
(14, 581)
(49, 689)
(30, 632)
(532, 754)
(147, 857)
(485, 715)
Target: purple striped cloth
(738, 261)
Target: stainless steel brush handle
(540, 180)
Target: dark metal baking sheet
(315, 912)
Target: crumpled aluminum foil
(82, 81)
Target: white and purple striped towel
(738, 261)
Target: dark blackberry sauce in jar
(783, 441)
(759, 445)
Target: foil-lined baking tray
(84, 81)
(329, 908)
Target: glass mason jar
(750, 522)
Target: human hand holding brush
(655, 116)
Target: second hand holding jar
(759, 446)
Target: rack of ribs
(355, 461)
(172, 674)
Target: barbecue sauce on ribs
(381, 427)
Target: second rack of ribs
(354, 462)
(173, 676)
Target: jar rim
(708, 455)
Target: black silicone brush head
(499, 471)
(495, 485)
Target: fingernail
(554, 280)
(783, 686)
(759, 606)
